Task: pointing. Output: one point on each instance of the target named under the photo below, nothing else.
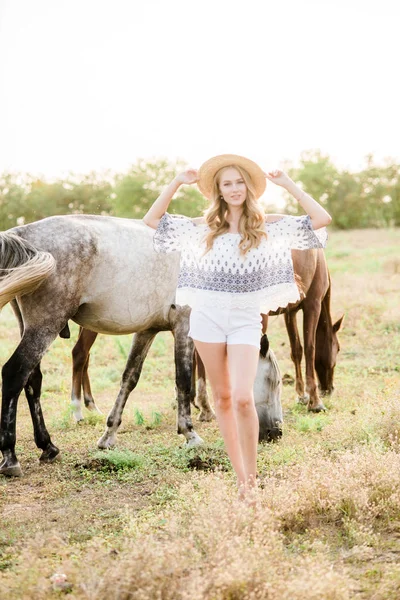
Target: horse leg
(194, 378)
(184, 352)
(33, 390)
(16, 373)
(138, 352)
(311, 314)
(296, 354)
(80, 360)
(87, 390)
(206, 412)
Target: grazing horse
(268, 406)
(102, 273)
(321, 344)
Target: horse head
(327, 349)
(267, 393)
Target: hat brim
(208, 170)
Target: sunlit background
(95, 84)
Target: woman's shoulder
(198, 220)
(273, 218)
(182, 221)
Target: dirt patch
(206, 464)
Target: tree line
(367, 198)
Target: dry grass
(140, 523)
(208, 546)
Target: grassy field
(140, 522)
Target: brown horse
(321, 344)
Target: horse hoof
(303, 399)
(206, 417)
(194, 440)
(93, 408)
(10, 470)
(106, 442)
(317, 409)
(50, 454)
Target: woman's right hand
(188, 177)
(160, 206)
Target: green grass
(119, 460)
(310, 424)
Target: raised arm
(319, 216)
(160, 206)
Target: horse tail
(22, 267)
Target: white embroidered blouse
(262, 279)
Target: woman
(235, 264)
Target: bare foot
(247, 492)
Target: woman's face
(232, 187)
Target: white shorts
(226, 325)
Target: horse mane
(275, 367)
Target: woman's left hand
(278, 177)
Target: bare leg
(243, 362)
(215, 359)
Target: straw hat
(214, 164)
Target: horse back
(107, 273)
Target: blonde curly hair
(251, 222)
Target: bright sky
(95, 84)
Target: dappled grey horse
(102, 273)
(267, 394)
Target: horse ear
(264, 345)
(338, 324)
